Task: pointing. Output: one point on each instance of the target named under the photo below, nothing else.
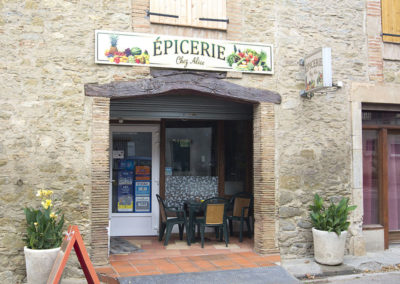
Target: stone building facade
(55, 136)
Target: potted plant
(43, 238)
(329, 229)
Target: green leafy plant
(333, 218)
(44, 225)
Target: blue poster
(125, 164)
(125, 198)
(142, 188)
(130, 164)
(125, 178)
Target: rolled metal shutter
(180, 107)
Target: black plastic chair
(168, 223)
(214, 216)
(240, 209)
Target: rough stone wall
(47, 51)
(391, 70)
(313, 142)
(46, 121)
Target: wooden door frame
(383, 131)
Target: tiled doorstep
(177, 258)
(184, 264)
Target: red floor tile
(178, 258)
(146, 268)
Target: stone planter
(39, 263)
(329, 247)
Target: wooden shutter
(391, 20)
(209, 14)
(175, 12)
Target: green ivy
(333, 218)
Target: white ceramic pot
(329, 247)
(39, 263)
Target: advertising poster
(125, 198)
(126, 164)
(142, 204)
(142, 188)
(142, 170)
(125, 178)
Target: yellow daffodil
(53, 215)
(47, 203)
(44, 193)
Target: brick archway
(211, 84)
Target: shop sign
(318, 67)
(164, 51)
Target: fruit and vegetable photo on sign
(120, 48)
(318, 69)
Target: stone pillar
(100, 180)
(264, 178)
(357, 242)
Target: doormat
(121, 246)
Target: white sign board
(167, 51)
(318, 67)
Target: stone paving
(371, 262)
(177, 258)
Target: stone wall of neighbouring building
(391, 69)
(313, 136)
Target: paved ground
(376, 278)
(177, 263)
(383, 261)
(261, 275)
(177, 258)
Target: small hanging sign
(73, 239)
(318, 67)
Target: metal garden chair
(241, 206)
(214, 216)
(168, 223)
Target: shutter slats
(179, 106)
(391, 20)
(189, 12)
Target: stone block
(285, 197)
(287, 212)
(374, 240)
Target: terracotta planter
(39, 263)
(329, 247)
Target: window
(391, 20)
(381, 172)
(208, 14)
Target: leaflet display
(131, 173)
(143, 189)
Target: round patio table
(193, 207)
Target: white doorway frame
(118, 221)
